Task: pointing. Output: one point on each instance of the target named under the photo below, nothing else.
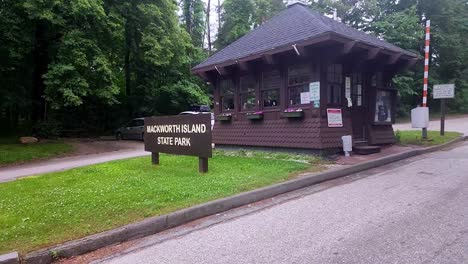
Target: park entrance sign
(180, 135)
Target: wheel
(119, 136)
(143, 136)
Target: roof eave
(316, 39)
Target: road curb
(10, 258)
(157, 224)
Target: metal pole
(442, 117)
(426, 70)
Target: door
(358, 109)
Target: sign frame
(335, 117)
(188, 135)
(443, 91)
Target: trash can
(347, 144)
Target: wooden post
(203, 165)
(442, 117)
(155, 158)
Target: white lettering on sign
(185, 129)
(442, 91)
(174, 141)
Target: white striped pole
(426, 70)
(426, 62)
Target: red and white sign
(335, 117)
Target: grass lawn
(415, 137)
(39, 211)
(13, 152)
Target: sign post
(180, 135)
(443, 92)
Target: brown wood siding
(282, 132)
(331, 136)
(381, 134)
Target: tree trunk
(208, 9)
(41, 62)
(219, 15)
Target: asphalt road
(457, 124)
(412, 211)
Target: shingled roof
(293, 25)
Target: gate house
(273, 86)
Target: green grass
(40, 211)
(415, 138)
(13, 152)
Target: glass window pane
(298, 74)
(271, 98)
(383, 107)
(227, 102)
(271, 80)
(227, 87)
(247, 84)
(295, 94)
(248, 101)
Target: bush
(47, 129)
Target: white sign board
(314, 90)
(420, 117)
(305, 98)
(348, 87)
(443, 91)
(335, 117)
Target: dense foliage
(95, 63)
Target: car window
(140, 122)
(135, 123)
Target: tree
(265, 9)
(236, 21)
(83, 60)
(193, 12)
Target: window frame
(354, 90)
(264, 89)
(333, 79)
(305, 76)
(222, 95)
(247, 92)
(392, 94)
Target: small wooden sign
(181, 135)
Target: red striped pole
(426, 62)
(426, 70)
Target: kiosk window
(271, 89)
(335, 81)
(227, 95)
(247, 92)
(299, 77)
(383, 107)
